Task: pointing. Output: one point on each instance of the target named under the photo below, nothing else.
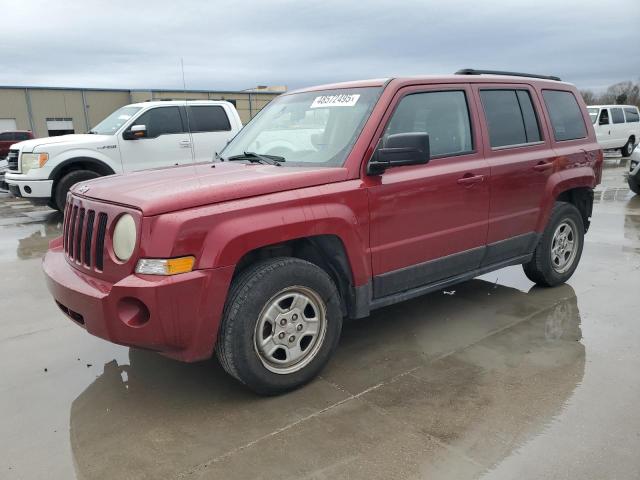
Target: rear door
(429, 222)
(167, 141)
(521, 160)
(632, 117)
(210, 128)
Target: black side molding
(472, 71)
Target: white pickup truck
(135, 137)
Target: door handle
(470, 179)
(185, 143)
(543, 166)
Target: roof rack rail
(472, 71)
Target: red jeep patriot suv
(333, 201)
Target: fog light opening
(27, 189)
(133, 312)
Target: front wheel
(68, 181)
(628, 148)
(281, 323)
(559, 249)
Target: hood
(177, 188)
(74, 140)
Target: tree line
(623, 93)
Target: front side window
(111, 124)
(308, 128)
(6, 136)
(632, 115)
(604, 117)
(510, 116)
(22, 136)
(566, 116)
(616, 115)
(161, 121)
(208, 119)
(442, 115)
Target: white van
(135, 137)
(617, 126)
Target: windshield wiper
(92, 132)
(258, 158)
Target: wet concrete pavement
(492, 379)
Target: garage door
(7, 124)
(59, 126)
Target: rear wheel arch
(582, 199)
(576, 190)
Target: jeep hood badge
(82, 189)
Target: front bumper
(177, 316)
(28, 188)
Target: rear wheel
(281, 323)
(68, 181)
(560, 247)
(627, 150)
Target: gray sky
(240, 44)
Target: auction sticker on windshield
(340, 100)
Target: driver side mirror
(135, 132)
(399, 150)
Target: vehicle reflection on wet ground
(492, 378)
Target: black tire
(633, 184)
(540, 269)
(251, 291)
(68, 181)
(628, 148)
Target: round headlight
(124, 237)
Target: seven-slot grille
(83, 235)
(12, 160)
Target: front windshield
(307, 129)
(111, 124)
(593, 113)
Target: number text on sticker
(340, 100)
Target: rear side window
(443, 115)
(5, 136)
(632, 115)
(21, 136)
(510, 116)
(565, 114)
(208, 119)
(617, 116)
(161, 121)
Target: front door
(603, 129)
(166, 142)
(429, 222)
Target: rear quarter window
(632, 115)
(565, 114)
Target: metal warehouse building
(50, 111)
